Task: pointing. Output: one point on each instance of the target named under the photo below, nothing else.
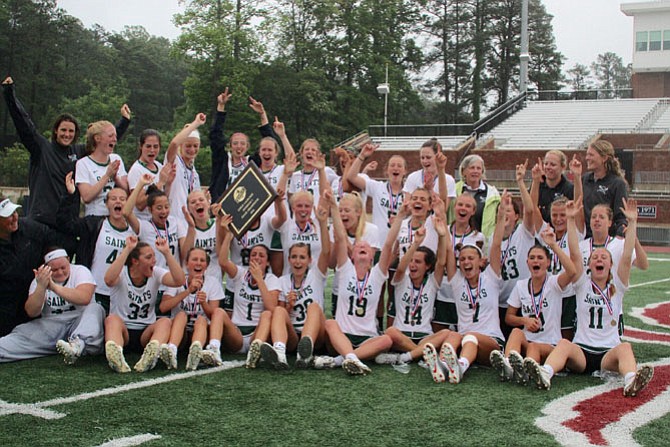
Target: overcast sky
(583, 28)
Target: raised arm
(270, 297)
(129, 207)
(226, 264)
(440, 224)
(629, 210)
(280, 131)
(176, 276)
(188, 241)
(354, 170)
(573, 209)
(113, 273)
(25, 127)
(441, 162)
(496, 243)
(578, 196)
(568, 273)
(177, 141)
(386, 255)
(419, 237)
(532, 220)
(322, 213)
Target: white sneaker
(149, 357)
(193, 359)
(70, 351)
(270, 356)
(355, 367)
(537, 374)
(450, 359)
(387, 358)
(305, 358)
(254, 354)
(501, 365)
(433, 363)
(211, 356)
(642, 378)
(114, 354)
(520, 374)
(324, 362)
(168, 356)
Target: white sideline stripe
(659, 259)
(130, 440)
(648, 283)
(36, 409)
(618, 433)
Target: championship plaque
(247, 198)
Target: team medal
(414, 302)
(537, 306)
(606, 297)
(473, 298)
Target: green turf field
(44, 402)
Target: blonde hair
(356, 200)
(300, 194)
(92, 131)
(561, 156)
(310, 140)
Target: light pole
(384, 89)
(525, 55)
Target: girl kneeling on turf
(133, 296)
(597, 344)
(298, 321)
(476, 295)
(540, 299)
(195, 308)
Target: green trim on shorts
(416, 337)
(275, 245)
(246, 330)
(593, 349)
(445, 313)
(357, 340)
(103, 300)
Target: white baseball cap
(7, 208)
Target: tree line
(314, 64)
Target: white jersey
(291, 234)
(546, 305)
(556, 267)
(136, 305)
(370, 235)
(406, 236)
(312, 290)
(110, 243)
(356, 311)
(477, 308)
(598, 316)
(206, 239)
(260, 236)
(385, 204)
(173, 231)
(613, 244)
(247, 301)
(234, 171)
(137, 170)
(416, 180)
(185, 181)
(338, 191)
(54, 304)
(514, 255)
(301, 181)
(472, 237)
(273, 176)
(190, 305)
(413, 308)
(89, 171)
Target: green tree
(610, 72)
(578, 77)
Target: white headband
(58, 253)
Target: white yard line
(37, 409)
(648, 283)
(130, 440)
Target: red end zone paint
(660, 313)
(604, 409)
(642, 335)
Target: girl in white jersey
(162, 224)
(476, 293)
(181, 153)
(298, 323)
(353, 334)
(195, 310)
(256, 294)
(101, 170)
(416, 282)
(540, 300)
(146, 163)
(301, 227)
(432, 176)
(462, 232)
(314, 176)
(133, 280)
(101, 239)
(387, 196)
(597, 344)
